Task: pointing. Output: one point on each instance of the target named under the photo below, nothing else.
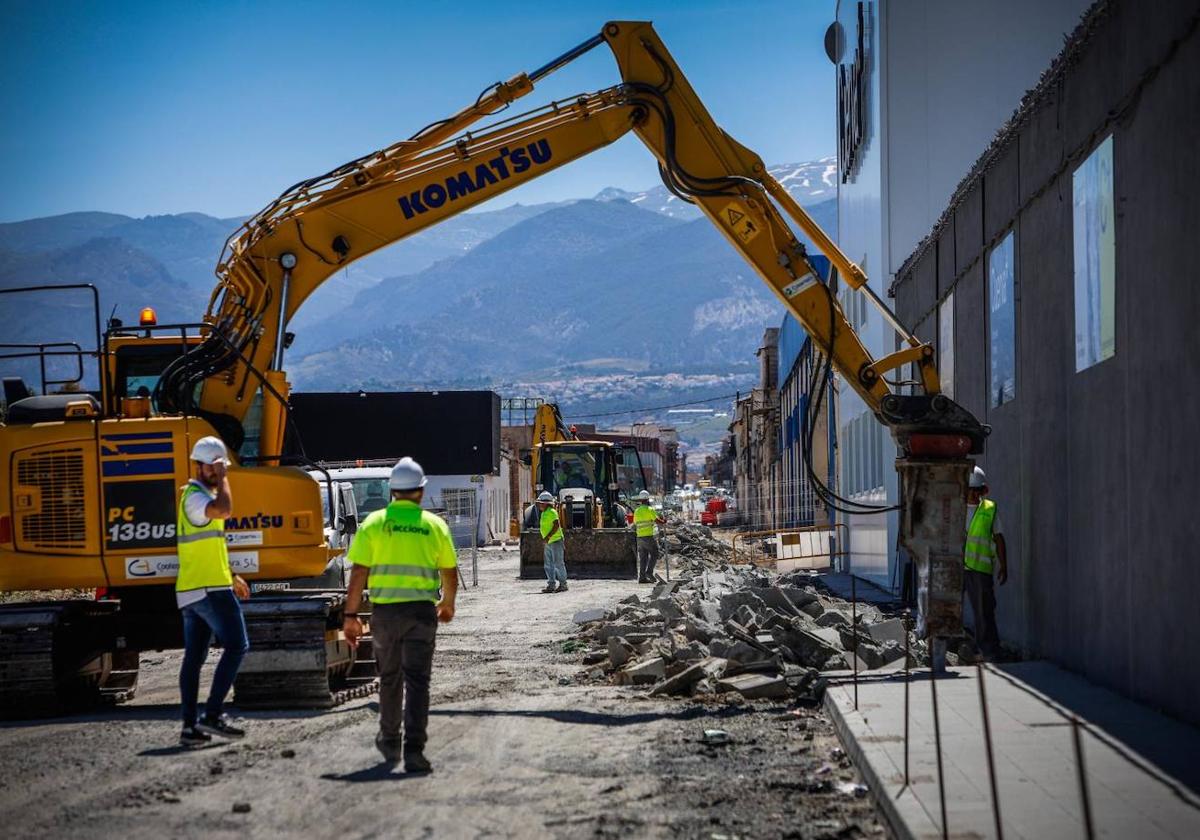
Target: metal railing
(1077, 726)
(838, 540)
(43, 350)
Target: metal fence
(1077, 726)
(463, 510)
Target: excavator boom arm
(288, 250)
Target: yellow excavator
(591, 482)
(90, 482)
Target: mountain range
(623, 284)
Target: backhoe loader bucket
(590, 553)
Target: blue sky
(166, 107)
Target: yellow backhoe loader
(591, 481)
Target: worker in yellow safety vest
(984, 554)
(207, 593)
(402, 555)
(554, 551)
(645, 522)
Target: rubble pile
(717, 628)
(692, 548)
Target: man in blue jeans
(554, 558)
(207, 593)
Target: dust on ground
(522, 747)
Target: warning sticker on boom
(736, 216)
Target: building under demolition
(1058, 287)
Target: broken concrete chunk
(709, 611)
(813, 609)
(629, 631)
(891, 630)
(664, 589)
(619, 651)
(777, 599)
(805, 647)
(594, 656)
(690, 653)
(832, 618)
(681, 683)
(746, 617)
(667, 608)
(829, 634)
(587, 616)
(714, 666)
(648, 671)
(734, 600)
(738, 651)
(869, 656)
(754, 686)
(697, 630)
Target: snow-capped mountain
(809, 183)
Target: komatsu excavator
(90, 485)
(591, 481)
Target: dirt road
(521, 749)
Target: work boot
(416, 762)
(389, 748)
(562, 587)
(219, 726)
(193, 737)
(549, 588)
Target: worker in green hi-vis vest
(984, 554)
(552, 536)
(645, 522)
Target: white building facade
(923, 86)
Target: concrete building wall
(941, 76)
(1092, 469)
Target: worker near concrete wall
(645, 521)
(983, 555)
(555, 549)
(400, 555)
(207, 593)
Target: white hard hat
(210, 450)
(545, 496)
(644, 495)
(407, 475)
(978, 478)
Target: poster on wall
(1002, 322)
(1095, 253)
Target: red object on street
(713, 507)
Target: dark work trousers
(647, 549)
(217, 613)
(981, 592)
(403, 636)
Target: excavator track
(54, 658)
(298, 657)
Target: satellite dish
(835, 42)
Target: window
(1002, 322)
(1095, 257)
(370, 494)
(946, 345)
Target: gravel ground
(521, 748)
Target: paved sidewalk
(1038, 786)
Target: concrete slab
(1124, 746)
